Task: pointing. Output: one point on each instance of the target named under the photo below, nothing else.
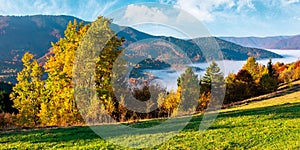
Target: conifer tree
(213, 79)
(189, 86)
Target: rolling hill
(233, 51)
(35, 34)
(289, 43)
(275, 42)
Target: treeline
(252, 80)
(256, 79)
(44, 95)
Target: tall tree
(105, 63)
(231, 87)
(28, 92)
(189, 86)
(213, 79)
(252, 67)
(269, 80)
(102, 47)
(213, 72)
(59, 108)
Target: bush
(7, 121)
(268, 84)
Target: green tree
(105, 62)
(27, 94)
(213, 79)
(269, 80)
(213, 74)
(268, 83)
(189, 86)
(231, 85)
(271, 70)
(96, 78)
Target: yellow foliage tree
(28, 92)
(59, 108)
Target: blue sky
(220, 17)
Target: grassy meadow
(268, 124)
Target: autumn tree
(269, 80)
(27, 94)
(59, 107)
(168, 104)
(253, 68)
(231, 87)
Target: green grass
(267, 124)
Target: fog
(168, 77)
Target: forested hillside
(34, 34)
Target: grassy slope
(268, 124)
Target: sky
(220, 17)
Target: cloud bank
(222, 17)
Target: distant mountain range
(274, 42)
(27, 33)
(35, 34)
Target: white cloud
(89, 10)
(136, 14)
(160, 20)
(245, 3)
(93, 8)
(204, 9)
(296, 18)
(26, 7)
(288, 2)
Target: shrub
(7, 121)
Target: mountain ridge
(19, 34)
(271, 42)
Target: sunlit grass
(267, 124)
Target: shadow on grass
(50, 135)
(74, 134)
(284, 111)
